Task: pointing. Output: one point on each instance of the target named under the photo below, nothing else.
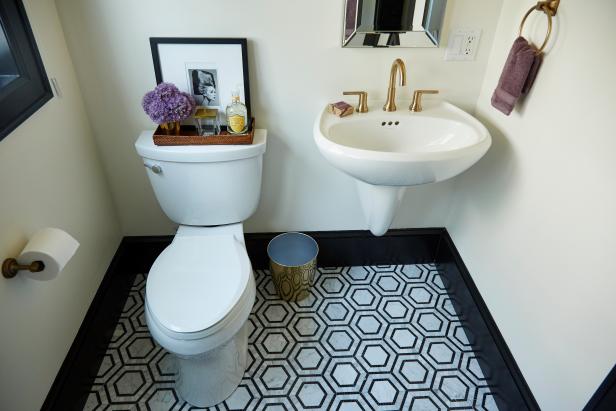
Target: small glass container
(207, 121)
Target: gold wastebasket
(293, 263)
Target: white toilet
(201, 288)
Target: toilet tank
(205, 185)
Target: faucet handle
(363, 100)
(416, 104)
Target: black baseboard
(336, 248)
(484, 326)
(64, 394)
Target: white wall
(50, 175)
(296, 67)
(534, 220)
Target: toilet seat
(198, 285)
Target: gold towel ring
(549, 12)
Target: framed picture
(210, 69)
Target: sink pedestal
(379, 204)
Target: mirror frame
(358, 31)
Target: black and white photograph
(210, 69)
(204, 86)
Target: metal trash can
(293, 262)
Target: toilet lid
(196, 281)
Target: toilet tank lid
(200, 154)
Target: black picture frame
(23, 96)
(156, 41)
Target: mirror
(393, 23)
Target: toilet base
(210, 378)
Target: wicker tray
(188, 137)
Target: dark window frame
(24, 96)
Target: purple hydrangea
(166, 103)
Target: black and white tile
(368, 338)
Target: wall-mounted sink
(389, 151)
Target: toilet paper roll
(53, 247)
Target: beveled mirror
(393, 23)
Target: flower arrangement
(167, 106)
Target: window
(24, 86)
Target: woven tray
(188, 137)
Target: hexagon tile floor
(368, 338)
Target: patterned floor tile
(367, 338)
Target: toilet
(201, 288)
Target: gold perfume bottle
(237, 115)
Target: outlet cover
(463, 44)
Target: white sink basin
(389, 151)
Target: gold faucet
(397, 66)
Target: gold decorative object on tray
(189, 136)
(204, 112)
(171, 128)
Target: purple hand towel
(514, 76)
(534, 69)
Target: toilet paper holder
(46, 253)
(10, 267)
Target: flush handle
(156, 169)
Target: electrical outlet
(463, 44)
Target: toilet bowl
(201, 288)
(192, 313)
